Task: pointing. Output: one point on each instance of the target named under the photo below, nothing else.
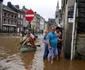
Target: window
(18, 15)
(15, 22)
(21, 22)
(82, 4)
(4, 14)
(4, 28)
(11, 29)
(4, 20)
(8, 21)
(21, 16)
(12, 16)
(56, 16)
(15, 17)
(18, 21)
(51, 21)
(8, 15)
(11, 21)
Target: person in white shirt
(45, 44)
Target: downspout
(73, 32)
(1, 8)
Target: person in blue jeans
(52, 41)
(45, 44)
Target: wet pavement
(12, 59)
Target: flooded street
(12, 59)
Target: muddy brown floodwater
(12, 59)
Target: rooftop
(8, 9)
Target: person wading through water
(44, 39)
(59, 35)
(52, 41)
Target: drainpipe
(1, 9)
(73, 32)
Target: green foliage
(21, 42)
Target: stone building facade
(9, 20)
(12, 19)
(37, 22)
(42, 23)
(78, 36)
(67, 27)
(20, 15)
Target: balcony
(10, 25)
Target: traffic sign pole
(29, 17)
(29, 26)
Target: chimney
(9, 4)
(23, 6)
(17, 6)
(35, 12)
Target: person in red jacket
(30, 39)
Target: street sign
(70, 20)
(29, 15)
(70, 14)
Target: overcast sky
(46, 8)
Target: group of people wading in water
(52, 43)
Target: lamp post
(33, 29)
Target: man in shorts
(52, 42)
